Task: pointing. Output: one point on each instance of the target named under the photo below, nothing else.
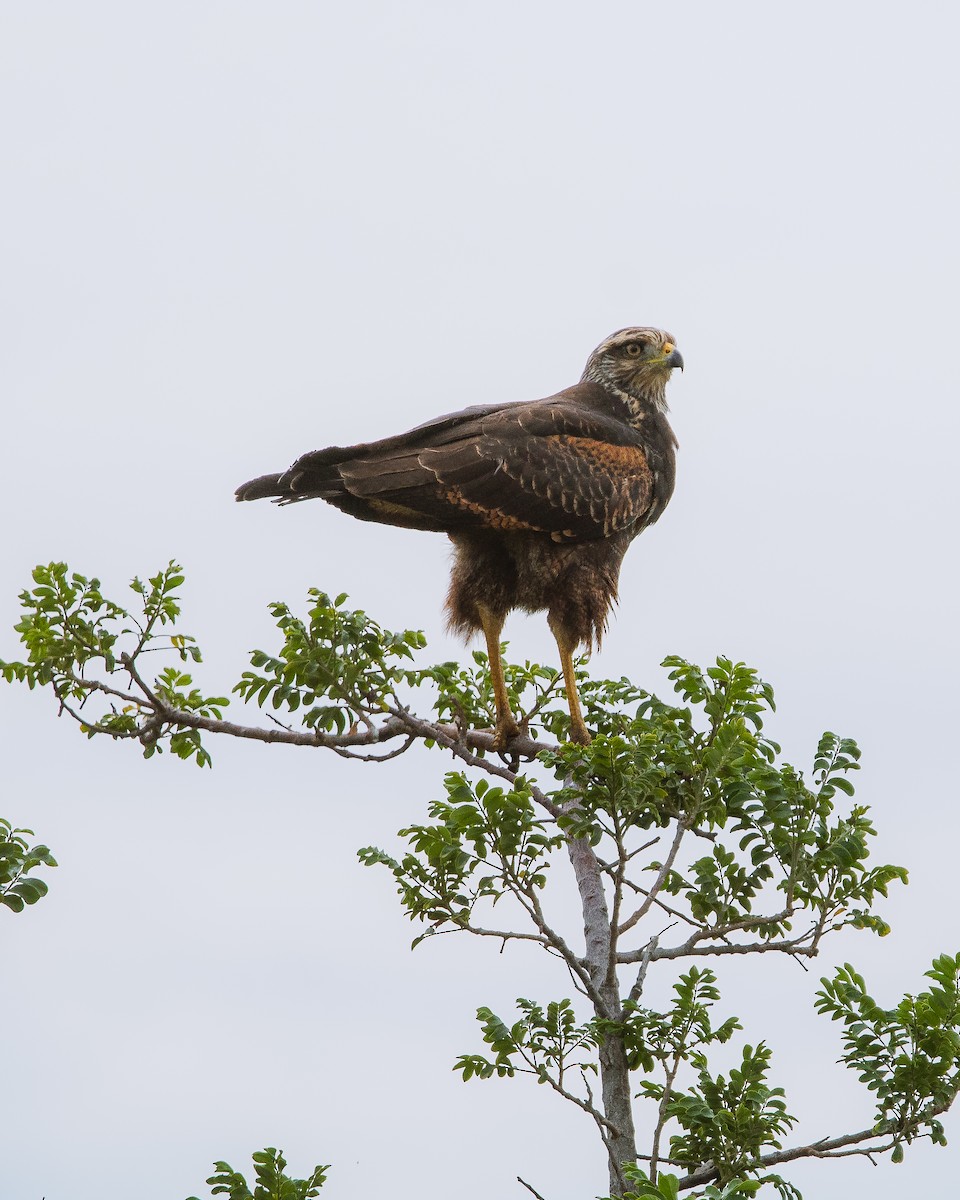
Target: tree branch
(692, 947)
(637, 990)
(825, 1148)
(458, 741)
(505, 935)
(399, 724)
(686, 950)
(658, 883)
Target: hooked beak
(674, 359)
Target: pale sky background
(234, 232)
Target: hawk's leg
(567, 645)
(507, 727)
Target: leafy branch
(17, 860)
(909, 1056)
(272, 1181)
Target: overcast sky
(234, 232)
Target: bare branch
(825, 1148)
(603, 1124)
(552, 687)
(658, 883)
(505, 935)
(577, 966)
(344, 753)
(662, 904)
(637, 990)
(609, 867)
(794, 947)
(131, 667)
(391, 728)
(92, 685)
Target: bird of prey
(540, 498)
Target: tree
(680, 816)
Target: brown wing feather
(562, 466)
(573, 487)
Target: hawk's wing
(556, 466)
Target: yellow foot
(505, 731)
(579, 734)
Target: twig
(658, 883)
(605, 1126)
(671, 912)
(131, 668)
(280, 724)
(577, 966)
(93, 685)
(345, 753)
(637, 990)
(619, 873)
(608, 867)
(505, 935)
(552, 686)
(529, 1188)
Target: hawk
(540, 498)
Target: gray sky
(234, 232)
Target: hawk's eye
(633, 349)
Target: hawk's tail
(313, 475)
(260, 489)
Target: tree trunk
(614, 1075)
(617, 1105)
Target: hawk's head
(635, 364)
